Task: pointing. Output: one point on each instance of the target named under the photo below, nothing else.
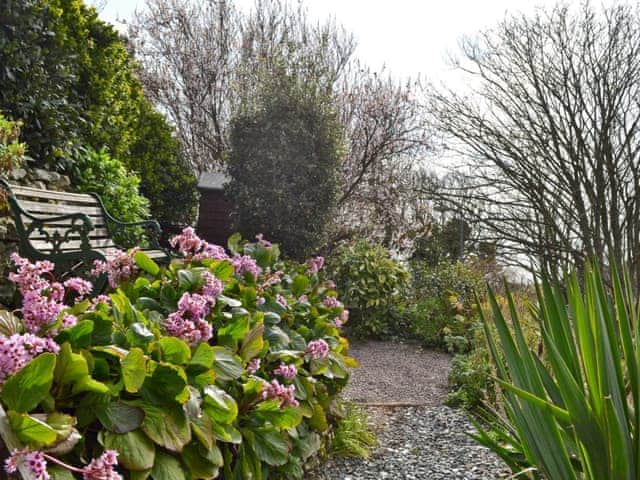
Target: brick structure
(214, 222)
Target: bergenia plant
(222, 364)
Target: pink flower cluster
(212, 286)
(34, 461)
(102, 468)
(342, 319)
(245, 264)
(318, 349)
(273, 279)
(286, 395)
(316, 264)
(42, 299)
(263, 242)
(253, 366)
(288, 372)
(120, 266)
(280, 300)
(18, 350)
(189, 321)
(331, 302)
(194, 248)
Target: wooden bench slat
(150, 253)
(58, 208)
(74, 244)
(95, 233)
(20, 192)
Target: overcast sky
(410, 37)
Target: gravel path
(419, 438)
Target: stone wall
(31, 177)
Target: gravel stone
(403, 387)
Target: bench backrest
(48, 233)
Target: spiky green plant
(575, 413)
(354, 436)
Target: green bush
(12, 150)
(373, 286)
(212, 365)
(572, 413)
(445, 304)
(69, 78)
(286, 147)
(97, 172)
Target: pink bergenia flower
(212, 287)
(29, 275)
(316, 264)
(253, 366)
(34, 461)
(102, 468)
(18, 350)
(286, 395)
(193, 247)
(120, 266)
(104, 299)
(79, 285)
(263, 242)
(303, 299)
(189, 321)
(318, 349)
(280, 300)
(330, 284)
(331, 302)
(39, 311)
(245, 264)
(69, 320)
(260, 301)
(273, 279)
(337, 322)
(288, 372)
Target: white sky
(410, 37)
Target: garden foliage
(97, 172)
(69, 78)
(572, 413)
(286, 147)
(213, 366)
(373, 287)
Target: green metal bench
(74, 229)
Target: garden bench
(74, 229)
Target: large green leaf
(167, 426)
(219, 405)
(201, 462)
(70, 367)
(31, 431)
(226, 365)
(167, 467)
(118, 417)
(283, 418)
(23, 391)
(174, 350)
(165, 385)
(145, 263)
(270, 446)
(134, 370)
(253, 343)
(136, 450)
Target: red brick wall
(214, 223)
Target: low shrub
(354, 435)
(445, 310)
(373, 287)
(97, 172)
(214, 366)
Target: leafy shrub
(286, 147)
(12, 150)
(97, 172)
(572, 413)
(213, 365)
(445, 304)
(373, 286)
(354, 436)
